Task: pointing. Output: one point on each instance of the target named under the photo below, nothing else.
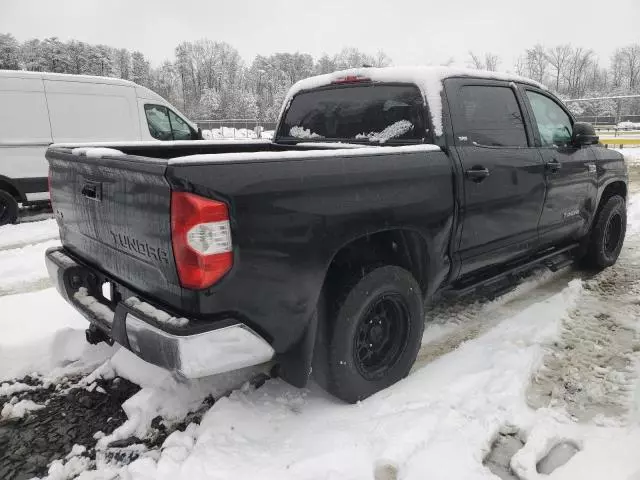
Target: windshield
(363, 114)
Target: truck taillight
(201, 238)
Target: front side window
(554, 124)
(158, 120)
(368, 113)
(180, 128)
(489, 116)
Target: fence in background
(607, 122)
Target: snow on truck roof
(428, 79)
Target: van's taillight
(201, 238)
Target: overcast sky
(410, 31)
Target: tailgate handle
(92, 190)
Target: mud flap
(295, 364)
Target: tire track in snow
(23, 269)
(26, 234)
(452, 323)
(591, 371)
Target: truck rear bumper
(136, 324)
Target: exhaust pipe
(94, 335)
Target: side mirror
(199, 137)
(584, 134)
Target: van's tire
(607, 234)
(375, 332)
(8, 208)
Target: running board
(554, 261)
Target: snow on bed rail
(96, 152)
(156, 143)
(300, 154)
(428, 79)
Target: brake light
(351, 79)
(201, 239)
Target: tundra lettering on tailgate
(137, 246)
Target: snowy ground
(497, 385)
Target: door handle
(553, 166)
(477, 173)
(92, 190)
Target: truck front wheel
(607, 234)
(8, 208)
(375, 334)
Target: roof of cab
(428, 78)
(66, 76)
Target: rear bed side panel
(289, 218)
(126, 232)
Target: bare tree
(558, 57)
(631, 64)
(537, 63)
(579, 62)
(489, 62)
(476, 61)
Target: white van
(37, 109)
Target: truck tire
(8, 208)
(375, 333)
(607, 234)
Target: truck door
(503, 173)
(570, 172)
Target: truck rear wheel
(8, 208)
(607, 234)
(375, 333)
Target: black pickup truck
(383, 191)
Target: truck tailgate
(114, 213)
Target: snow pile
(158, 315)
(162, 394)
(76, 451)
(428, 79)
(301, 132)
(19, 409)
(42, 333)
(392, 131)
(230, 133)
(628, 126)
(8, 389)
(96, 152)
(74, 466)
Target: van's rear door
(114, 213)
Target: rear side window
(489, 116)
(554, 124)
(364, 113)
(164, 124)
